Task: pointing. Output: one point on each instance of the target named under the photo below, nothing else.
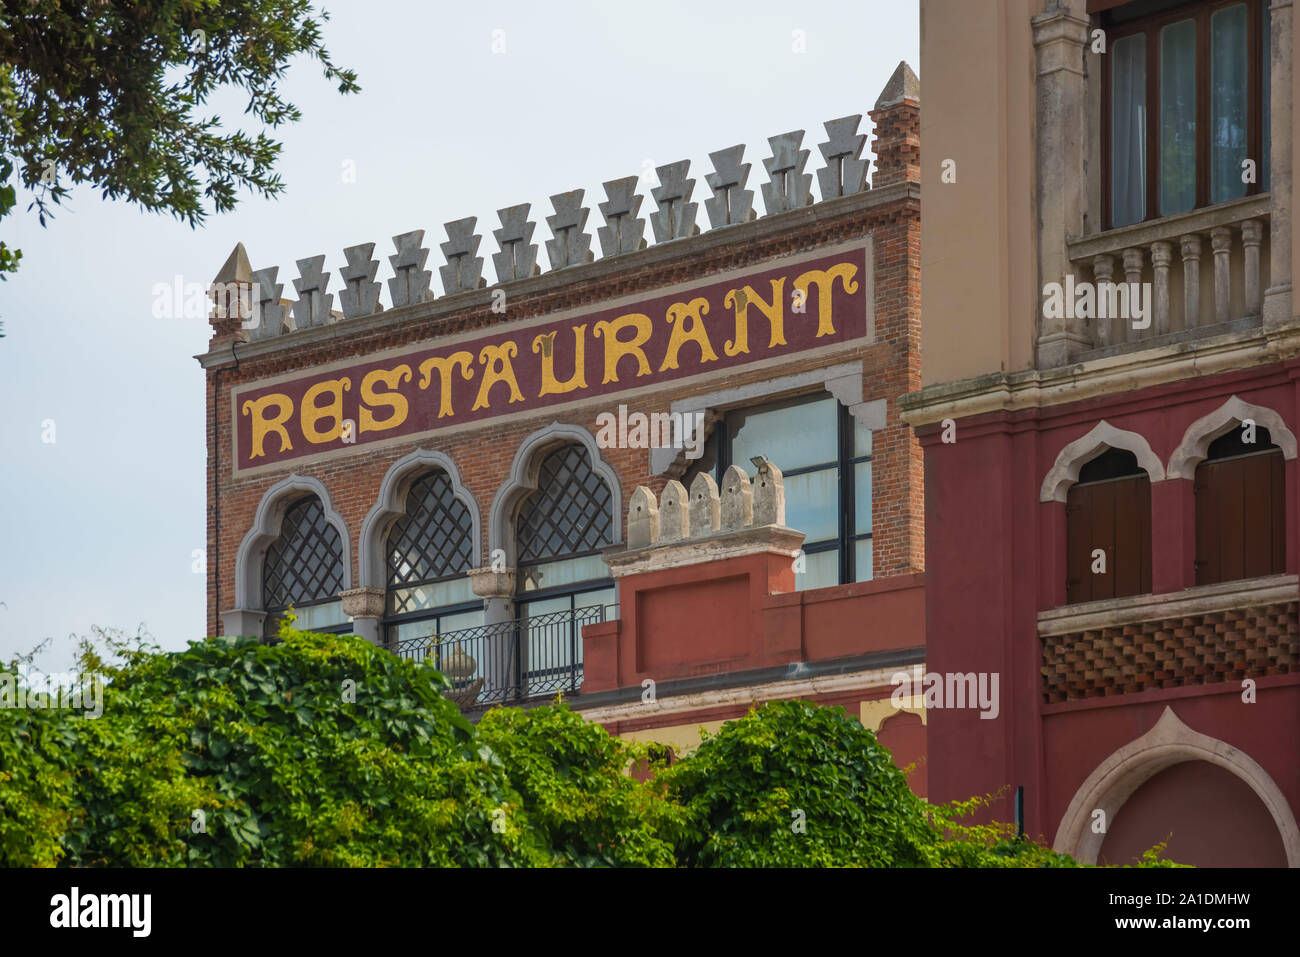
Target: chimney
(898, 130)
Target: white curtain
(1228, 112)
(1128, 131)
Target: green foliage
(323, 750)
(795, 785)
(572, 777)
(113, 94)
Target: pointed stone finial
(410, 282)
(844, 173)
(518, 256)
(642, 519)
(623, 232)
(903, 85)
(706, 515)
(789, 187)
(464, 269)
(360, 295)
(271, 319)
(731, 202)
(769, 493)
(737, 499)
(571, 246)
(676, 216)
(236, 268)
(314, 303)
(674, 513)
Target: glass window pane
(861, 439)
(1266, 66)
(793, 436)
(323, 615)
(862, 557)
(464, 619)
(595, 599)
(821, 570)
(567, 572)
(1228, 112)
(812, 504)
(862, 497)
(1128, 130)
(436, 595)
(1178, 117)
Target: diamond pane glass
(570, 512)
(305, 564)
(434, 538)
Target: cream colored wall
(978, 240)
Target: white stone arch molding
(266, 529)
(523, 479)
(1065, 471)
(1195, 445)
(371, 565)
(1168, 743)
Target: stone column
(1190, 246)
(1103, 274)
(1060, 39)
(1133, 262)
(1277, 305)
(497, 589)
(365, 606)
(503, 657)
(1221, 242)
(1162, 256)
(1252, 234)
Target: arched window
(563, 581)
(1240, 508)
(429, 550)
(304, 569)
(1108, 529)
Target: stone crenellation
(675, 217)
(679, 515)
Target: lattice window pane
(570, 512)
(305, 564)
(434, 538)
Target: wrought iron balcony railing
(509, 660)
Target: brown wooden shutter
(1240, 517)
(1115, 516)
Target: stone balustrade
(1204, 270)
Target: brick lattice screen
(1196, 650)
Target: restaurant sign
(687, 331)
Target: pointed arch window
(429, 550)
(1240, 491)
(304, 568)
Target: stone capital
(363, 602)
(489, 583)
(243, 621)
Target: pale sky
(100, 525)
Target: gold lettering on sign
(692, 331)
(312, 413)
(824, 280)
(391, 378)
(615, 349)
(497, 368)
(444, 365)
(740, 300)
(256, 408)
(545, 344)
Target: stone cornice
(754, 540)
(1110, 375)
(479, 301)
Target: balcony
(1207, 269)
(509, 661)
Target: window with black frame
(824, 455)
(563, 582)
(304, 570)
(429, 550)
(1185, 101)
